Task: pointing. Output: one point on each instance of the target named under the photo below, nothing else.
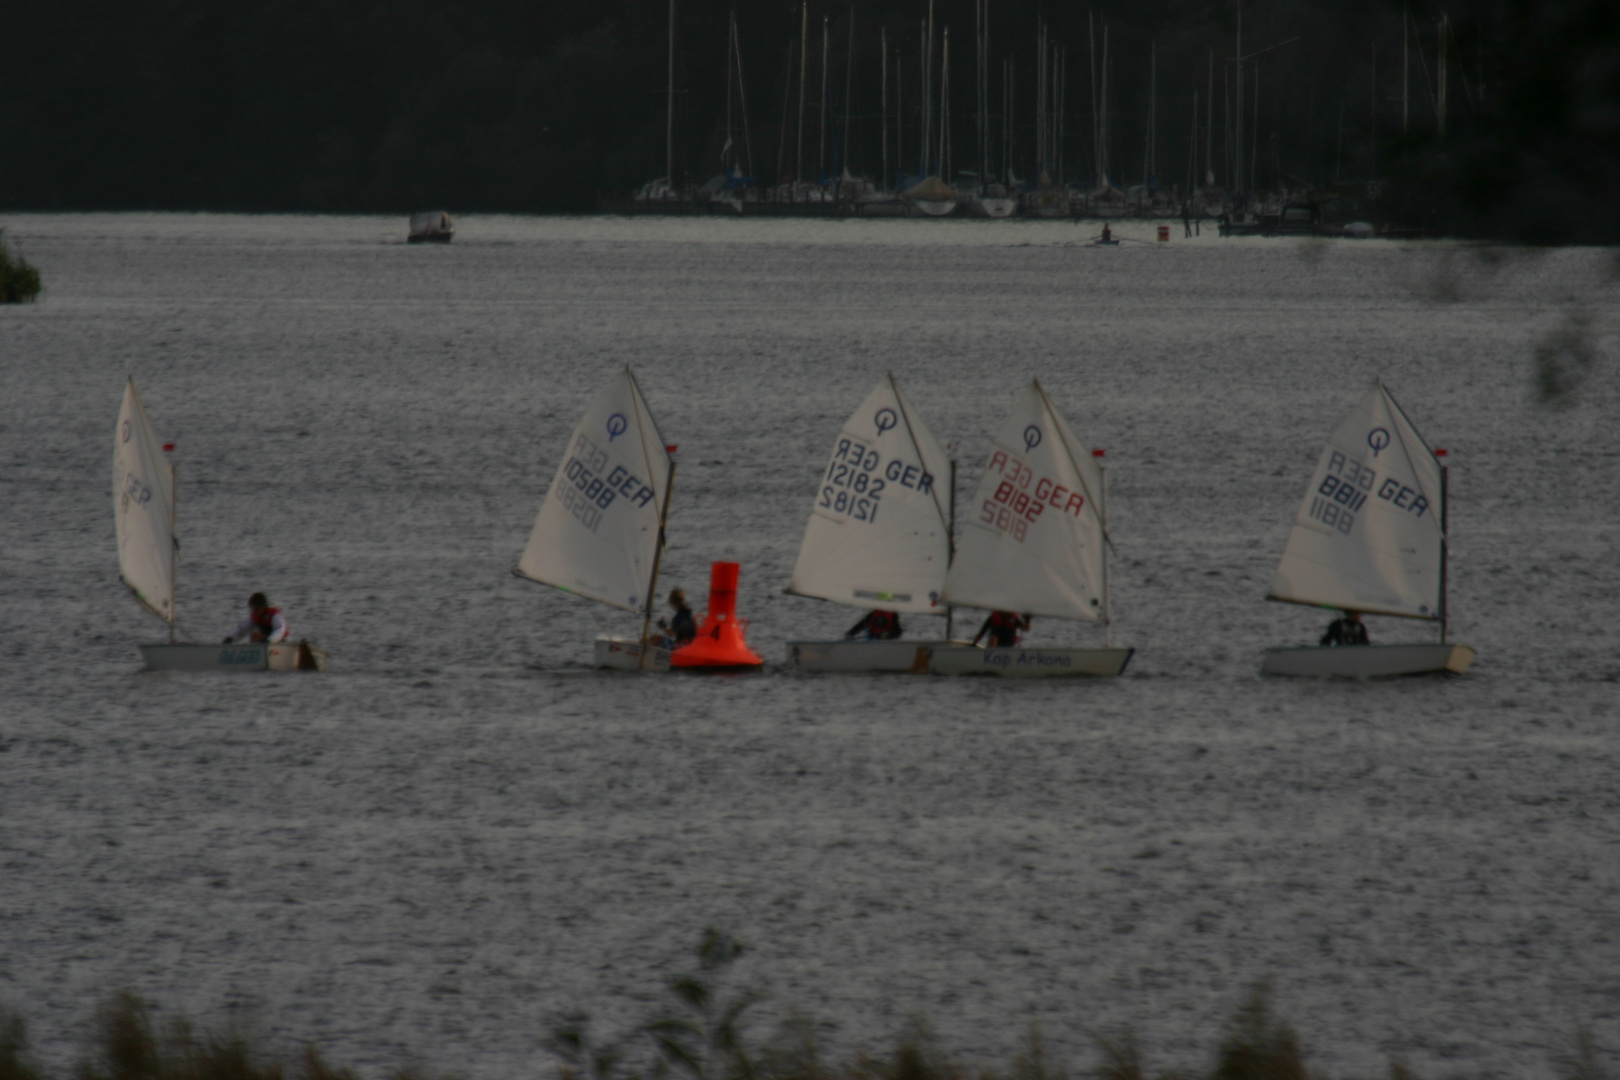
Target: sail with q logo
(879, 534)
(1035, 542)
(144, 516)
(1370, 537)
(600, 530)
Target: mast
(928, 89)
(926, 97)
(849, 87)
(944, 105)
(1372, 120)
(669, 117)
(1406, 65)
(950, 539)
(742, 93)
(1096, 115)
(1103, 109)
(804, 60)
(899, 114)
(821, 149)
(787, 103)
(1108, 594)
(1006, 124)
(1007, 101)
(1445, 541)
(1061, 94)
(1238, 179)
(1226, 130)
(883, 103)
(1153, 111)
(1193, 146)
(174, 547)
(979, 87)
(731, 42)
(1040, 102)
(1254, 136)
(1209, 125)
(1440, 107)
(658, 558)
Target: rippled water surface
(461, 832)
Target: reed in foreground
(19, 282)
(702, 1037)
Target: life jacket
(1004, 627)
(264, 620)
(881, 624)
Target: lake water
(462, 832)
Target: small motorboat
(433, 227)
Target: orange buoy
(719, 642)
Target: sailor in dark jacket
(1348, 629)
(1003, 628)
(681, 627)
(877, 625)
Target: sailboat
(600, 530)
(879, 534)
(144, 516)
(1036, 543)
(1370, 537)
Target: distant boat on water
(432, 227)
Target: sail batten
(879, 528)
(598, 531)
(1369, 534)
(1034, 539)
(143, 509)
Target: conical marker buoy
(719, 642)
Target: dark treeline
(361, 105)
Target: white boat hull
(992, 206)
(844, 655)
(934, 207)
(1368, 661)
(1025, 662)
(624, 654)
(250, 656)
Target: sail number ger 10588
(589, 493)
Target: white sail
(597, 531)
(1033, 539)
(879, 531)
(1369, 535)
(143, 508)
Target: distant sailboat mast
(883, 97)
(742, 94)
(669, 116)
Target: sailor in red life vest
(878, 625)
(264, 623)
(1003, 628)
